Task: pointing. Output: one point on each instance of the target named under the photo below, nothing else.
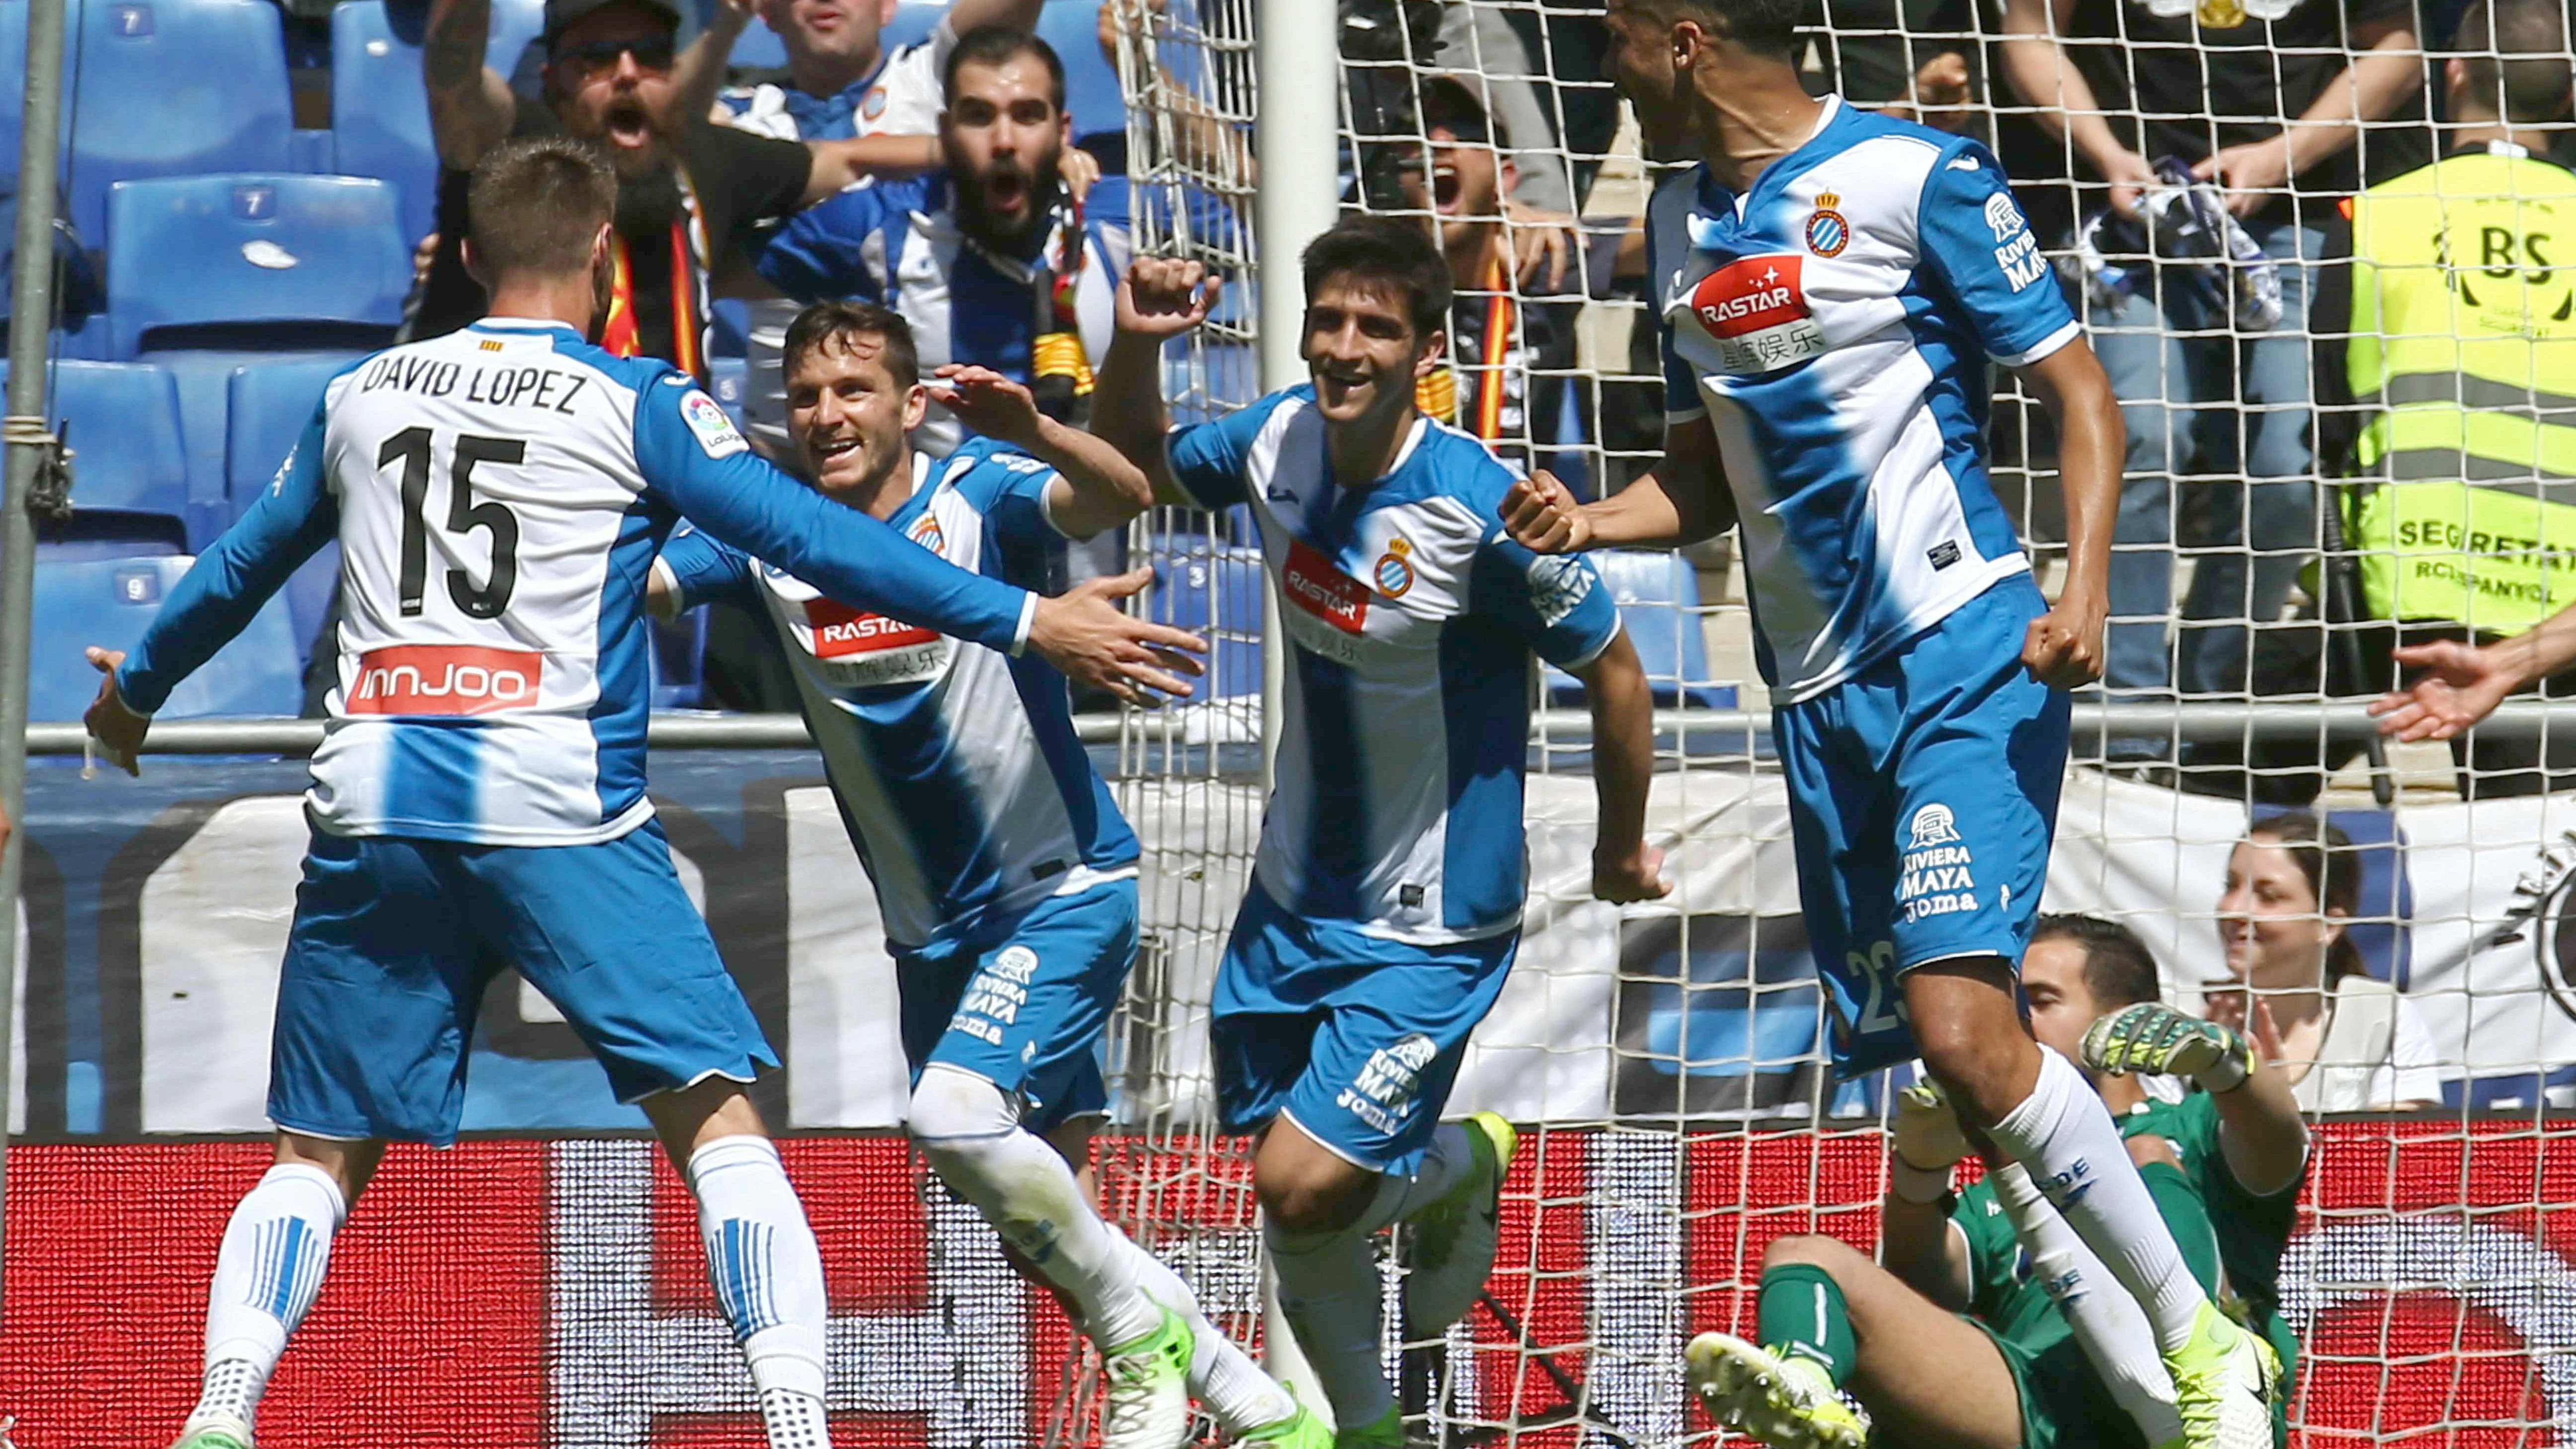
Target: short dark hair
(1391, 249)
(1765, 27)
(1450, 104)
(2324, 855)
(999, 45)
(827, 322)
(534, 205)
(2516, 55)
(2118, 969)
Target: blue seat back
(108, 602)
(280, 260)
(379, 106)
(266, 407)
(122, 422)
(1091, 89)
(172, 88)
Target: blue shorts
(395, 939)
(1922, 798)
(1022, 1002)
(1355, 1038)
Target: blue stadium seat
(911, 25)
(267, 406)
(379, 108)
(108, 601)
(172, 88)
(725, 379)
(758, 48)
(259, 260)
(122, 421)
(1091, 90)
(1208, 592)
(1658, 597)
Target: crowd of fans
(2315, 244)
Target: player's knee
(2147, 1149)
(1809, 1248)
(1971, 1041)
(1306, 1196)
(952, 1113)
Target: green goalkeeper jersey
(2252, 1229)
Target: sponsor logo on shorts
(444, 679)
(1382, 1095)
(1938, 876)
(994, 997)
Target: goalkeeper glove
(1924, 1144)
(2153, 1038)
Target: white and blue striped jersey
(898, 244)
(1835, 323)
(958, 772)
(498, 495)
(1405, 737)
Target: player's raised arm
(2063, 647)
(2261, 1131)
(470, 105)
(1161, 298)
(692, 456)
(1095, 488)
(216, 599)
(1683, 501)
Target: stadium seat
(725, 379)
(171, 88)
(1091, 91)
(758, 48)
(122, 422)
(267, 406)
(261, 261)
(1658, 597)
(379, 109)
(1206, 591)
(108, 601)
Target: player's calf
(761, 1252)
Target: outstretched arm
(2260, 1131)
(1095, 488)
(470, 105)
(700, 70)
(2040, 71)
(2462, 684)
(1683, 501)
(1160, 299)
(217, 598)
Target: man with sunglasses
(688, 191)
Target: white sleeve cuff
(1046, 509)
(1028, 618)
(1687, 415)
(2045, 346)
(673, 602)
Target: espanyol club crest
(925, 531)
(1828, 232)
(873, 104)
(1394, 569)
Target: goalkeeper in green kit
(1990, 1325)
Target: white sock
(768, 1274)
(1444, 1162)
(266, 1276)
(971, 1134)
(2065, 1136)
(1226, 1380)
(1331, 1295)
(2110, 1325)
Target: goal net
(1668, 1062)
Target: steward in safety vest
(2446, 351)
(2459, 302)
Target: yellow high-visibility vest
(2464, 347)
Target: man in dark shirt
(688, 191)
(2267, 100)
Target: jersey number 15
(464, 515)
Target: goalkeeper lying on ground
(1976, 1336)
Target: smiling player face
(847, 415)
(1362, 351)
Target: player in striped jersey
(1834, 285)
(479, 799)
(1385, 903)
(1004, 873)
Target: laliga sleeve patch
(716, 432)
